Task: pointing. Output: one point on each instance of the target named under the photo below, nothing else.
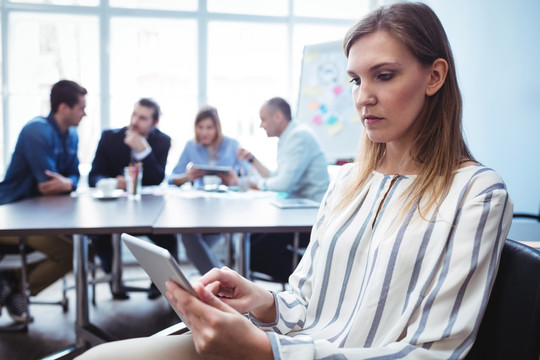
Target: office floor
(52, 330)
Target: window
(259, 7)
(232, 54)
(155, 58)
(56, 47)
(189, 5)
(60, 2)
(260, 73)
(342, 9)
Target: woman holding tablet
(407, 241)
(209, 147)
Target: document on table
(295, 203)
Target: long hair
(209, 112)
(439, 148)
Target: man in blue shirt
(44, 163)
(301, 172)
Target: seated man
(301, 172)
(141, 141)
(44, 163)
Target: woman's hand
(240, 293)
(219, 331)
(229, 179)
(193, 174)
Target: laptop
(158, 263)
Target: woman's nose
(364, 95)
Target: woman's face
(389, 88)
(206, 131)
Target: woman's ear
(437, 76)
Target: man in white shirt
(301, 172)
(301, 164)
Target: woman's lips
(369, 119)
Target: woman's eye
(355, 81)
(385, 76)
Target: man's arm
(99, 164)
(293, 160)
(39, 153)
(57, 184)
(244, 154)
(155, 162)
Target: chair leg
(24, 279)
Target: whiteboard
(325, 102)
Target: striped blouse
(378, 284)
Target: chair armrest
(527, 216)
(176, 329)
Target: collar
(52, 121)
(288, 130)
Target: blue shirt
(41, 146)
(198, 154)
(301, 165)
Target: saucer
(115, 194)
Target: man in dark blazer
(140, 142)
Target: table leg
(243, 249)
(86, 334)
(296, 245)
(117, 264)
(80, 268)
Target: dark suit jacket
(112, 155)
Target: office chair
(528, 216)
(526, 229)
(510, 328)
(19, 257)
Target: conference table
(166, 211)
(80, 216)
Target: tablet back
(158, 264)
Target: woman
(407, 241)
(209, 147)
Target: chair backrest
(510, 328)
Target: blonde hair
(209, 112)
(439, 148)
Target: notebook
(295, 203)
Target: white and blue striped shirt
(379, 284)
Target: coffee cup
(106, 186)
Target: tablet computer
(158, 263)
(213, 169)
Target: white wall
(496, 45)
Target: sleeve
(154, 164)
(100, 162)
(291, 305)
(38, 151)
(71, 171)
(230, 156)
(293, 161)
(448, 312)
(184, 159)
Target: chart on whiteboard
(325, 100)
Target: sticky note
(335, 128)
